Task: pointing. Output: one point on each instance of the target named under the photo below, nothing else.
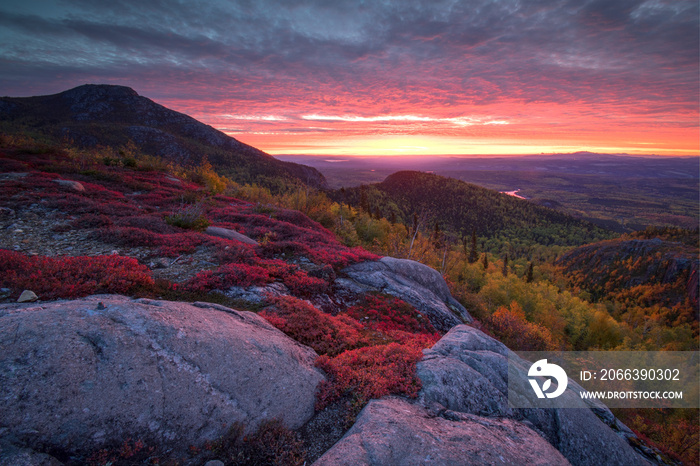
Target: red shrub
(340, 256)
(151, 223)
(234, 251)
(326, 334)
(301, 284)
(72, 277)
(91, 221)
(389, 314)
(227, 276)
(371, 372)
(171, 245)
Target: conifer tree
(529, 274)
(505, 266)
(364, 202)
(485, 261)
(473, 254)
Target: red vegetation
(371, 372)
(369, 351)
(171, 245)
(301, 284)
(72, 277)
(324, 333)
(388, 314)
(367, 361)
(229, 275)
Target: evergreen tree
(505, 266)
(473, 254)
(364, 202)
(437, 237)
(485, 261)
(529, 274)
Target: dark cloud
(372, 55)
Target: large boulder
(415, 283)
(77, 375)
(393, 431)
(467, 371)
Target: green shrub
(189, 217)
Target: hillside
(105, 115)
(650, 274)
(340, 323)
(461, 208)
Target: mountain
(461, 208)
(105, 115)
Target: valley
(621, 192)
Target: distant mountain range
(107, 115)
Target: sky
(383, 77)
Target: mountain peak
(100, 90)
(110, 116)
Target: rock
(411, 281)
(6, 212)
(230, 234)
(11, 455)
(11, 176)
(160, 263)
(214, 463)
(27, 296)
(325, 272)
(5, 293)
(393, 431)
(74, 185)
(174, 374)
(467, 371)
(257, 294)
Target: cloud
(458, 65)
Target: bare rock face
(415, 283)
(69, 184)
(467, 371)
(227, 233)
(393, 431)
(78, 374)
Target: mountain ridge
(94, 115)
(487, 213)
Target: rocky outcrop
(393, 431)
(78, 374)
(415, 283)
(467, 371)
(463, 416)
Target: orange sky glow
(504, 129)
